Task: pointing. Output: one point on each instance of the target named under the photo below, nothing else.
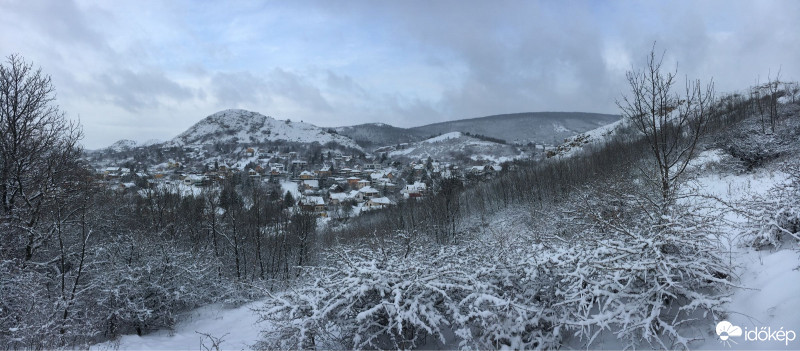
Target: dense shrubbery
(775, 220)
(108, 272)
(386, 301)
(641, 283)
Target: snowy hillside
(454, 146)
(127, 144)
(585, 268)
(766, 292)
(252, 127)
(582, 141)
(122, 145)
(548, 128)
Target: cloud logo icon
(725, 330)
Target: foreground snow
(237, 328)
(769, 298)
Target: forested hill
(548, 128)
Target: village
(334, 185)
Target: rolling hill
(548, 128)
(242, 126)
(252, 127)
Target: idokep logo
(726, 330)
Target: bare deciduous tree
(773, 92)
(38, 150)
(672, 122)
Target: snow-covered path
(236, 327)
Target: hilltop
(242, 126)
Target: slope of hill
(252, 127)
(127, 144)
(595, 137)
(548, 128)
(456, 146)
(122, 145)
(380, 134)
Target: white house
(378, 202)
(337, 198)
(367, 193)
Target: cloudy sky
(150, 69)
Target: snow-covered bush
(774, 218)
(453, 296)
(367, 303)
(643, 289)
(143, 288)
(643, 279)
(510, 301)
(29, 315)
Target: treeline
(485, 138)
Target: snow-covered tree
(671, 121)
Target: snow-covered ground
(236, 328)
(597, 136)
(443, 137)
(769, 293)
(769, 298)
(291, 187)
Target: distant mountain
(455, 146)
(380, 134)
(550, 128)
(252, 127)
